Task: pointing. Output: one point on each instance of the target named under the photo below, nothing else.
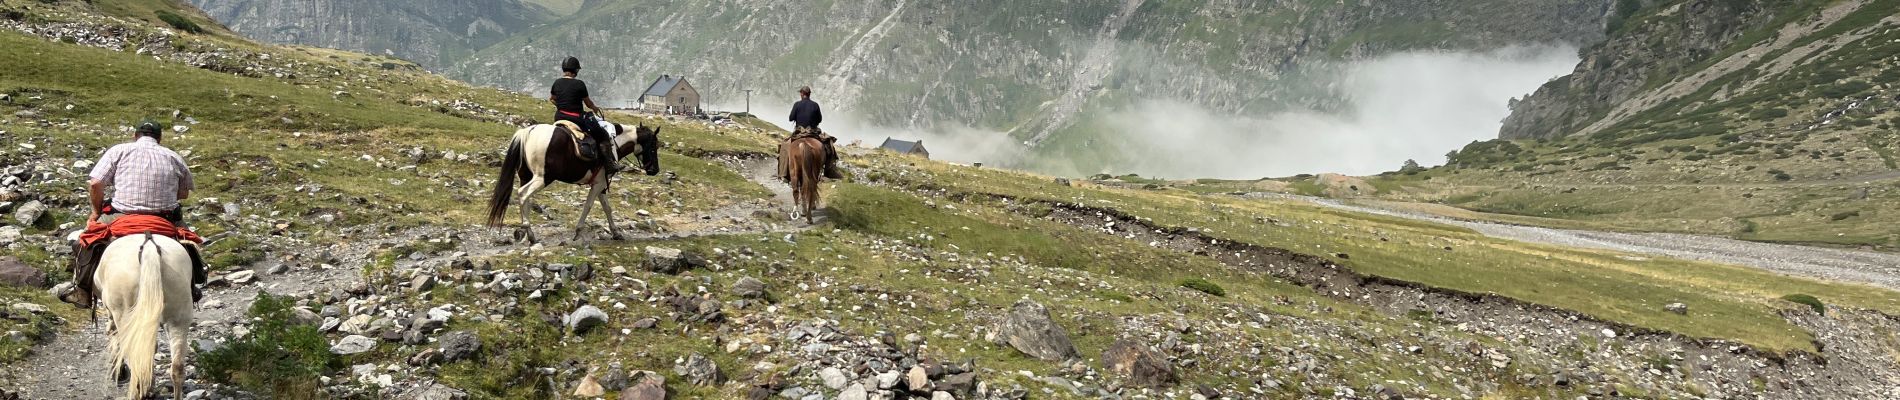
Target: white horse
(542, 154)
(145, 280)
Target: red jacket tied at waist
(133, 224)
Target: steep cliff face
(433, 33)
(1025, 67)
(1678, 57)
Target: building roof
(664, 85)
(903, 146)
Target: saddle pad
(572, 129)
(133, 224)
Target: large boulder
(1029, 329)
(1138, 363)
(16, 273)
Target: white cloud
(1414, 105)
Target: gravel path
(1864, 267)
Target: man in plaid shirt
(146, 179)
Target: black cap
(571, 64)
(148, 128)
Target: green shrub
(1843, 215)
(281, 358)
(1769, 113)
(1114, 296)
(233, 252)
(1204, 286)
(1844, 89)
(179, 22)
(1810, 301)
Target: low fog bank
(1415, 105)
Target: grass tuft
(1204, 286)
(1810, 301)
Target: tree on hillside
(1411, 167)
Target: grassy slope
(963, 270)
(242, 150)
(1741, 301)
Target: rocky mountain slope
(341, 189)
(1034, 70)
(1699, 57)
(1763, 120)
(435, 33)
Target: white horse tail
(136, 339)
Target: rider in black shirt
(569, 95)
(805, 119)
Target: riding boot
(198, 273)
(831, 160)
(610, 158)
(84, 261)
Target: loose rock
(652, 386)
(29, 214)
(18, 274)
(1029, 329)
(1141, 365)
(460, 345)
(585, 318)
(353, 344)
(437, 391)
(699, 370)
(749, 287)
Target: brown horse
(800, 164)
(543, 153)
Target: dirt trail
(70, 365)
(1864, 267)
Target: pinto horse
(800, 163)
(542, 154)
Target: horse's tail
(809, 164)
(136, 338)
(505, 184)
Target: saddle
(583, 146)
